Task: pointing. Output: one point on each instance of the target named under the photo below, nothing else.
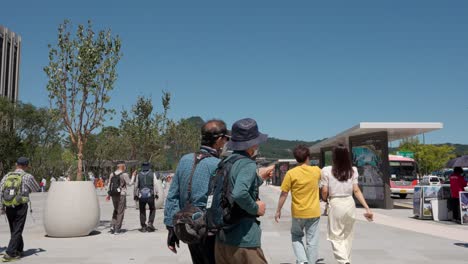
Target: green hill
(282, 149)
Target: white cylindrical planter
(159, 203)
(71, 210)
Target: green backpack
(12, 190)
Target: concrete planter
(71, 210)
(159, 203)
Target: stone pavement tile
(373, 242)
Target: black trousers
(142, 204)
(203, 253)
(16, 219)
(455, 206)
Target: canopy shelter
(368, 144)
(395, 131)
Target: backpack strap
(199, 156)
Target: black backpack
(145, 185)
(221, 210)
(190, 222)
(114, 186)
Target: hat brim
(145, 167)
(244, 145)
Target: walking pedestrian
(117, 190)
(339, 182)
(15, 188)
(214, 136)
(145, 193)
(303, 183)
(241, 242)
(457, 185)
(43, 184)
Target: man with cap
(117, 190)
(15, 205)
(145, 192)
(214, 136)
(241, 242)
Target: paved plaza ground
(394, 237)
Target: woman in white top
(339, 182)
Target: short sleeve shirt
(303, 182)
(335, 187)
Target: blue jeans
(309, 253)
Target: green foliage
(82, 72)
(35, 134)
(144, 130)
(429, 157)
(183, 137)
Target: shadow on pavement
(465, 245)
(32, 251)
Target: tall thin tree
(82, 72)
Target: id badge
(209, 201)
(12, 192)
(118, 189)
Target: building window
(7, 69)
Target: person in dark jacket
(241, 242)
(145, 192)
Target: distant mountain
(459, 148)
(282, 149)
(196, 121)
(274, 148)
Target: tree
(144, 129)
(429, 157)
(82, 72)
(183, 137)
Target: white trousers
(341, 218)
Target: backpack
(12, 190)
(114, 186)
(145, 185)
(190, 223)
(221, 210)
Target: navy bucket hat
(245, 134)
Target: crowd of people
(195, 194)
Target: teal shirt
(244, 178)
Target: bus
(403, 175)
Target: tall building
(10, 51)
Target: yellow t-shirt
(303, 182)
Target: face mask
(223, 151)
(255, 154)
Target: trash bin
(439, 210)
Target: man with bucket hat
(241, 242)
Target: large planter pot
(159, 203)
(71, 210)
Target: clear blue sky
(303, 69)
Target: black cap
(145, 166)
(22, 161)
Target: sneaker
(8, 258)
(143, 229)
(151, 228)
(117, 232)
(112, 231)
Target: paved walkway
(394, 237)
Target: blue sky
(303, 69)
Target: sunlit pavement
(394, 237)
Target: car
(430, 180)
